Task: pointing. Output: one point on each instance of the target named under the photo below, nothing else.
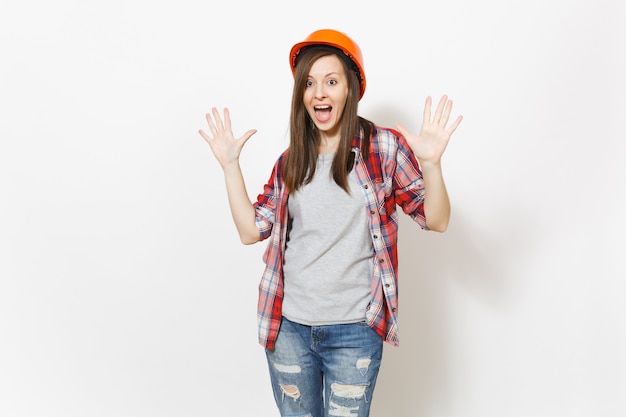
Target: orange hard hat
(336, 39)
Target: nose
(320, 91)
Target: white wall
(124, 290)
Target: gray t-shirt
(328, 259)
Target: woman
(328, 295)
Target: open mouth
(322, 113)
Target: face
(326, 93)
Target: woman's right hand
(224, 145)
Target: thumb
(247, 136)
(402, 129)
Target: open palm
(224, 145)
(434, 135)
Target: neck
(328, 144)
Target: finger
(204, 135)
(446, 113)
(427, 109)
(440, 107)
(209, 120)
(403, 130)
(456, 124)
(227, 119)
(218, 119)
(247, 136)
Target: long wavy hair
(301, 158)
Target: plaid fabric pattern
(389, 177)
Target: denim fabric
(324, 371)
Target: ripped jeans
(324, 371)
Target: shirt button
(375, 236)
(366, 186)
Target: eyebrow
(328, 74)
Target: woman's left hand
(432, 140)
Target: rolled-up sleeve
(409, 183)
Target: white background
(124, 290)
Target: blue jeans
(324, 371)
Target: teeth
(322, 107)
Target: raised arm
(428, 147)
(227, 149)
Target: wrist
(231, 167)
(429, 164)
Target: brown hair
(301, 158)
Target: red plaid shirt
(389, 176)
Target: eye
(309, 83)
(332, 82)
